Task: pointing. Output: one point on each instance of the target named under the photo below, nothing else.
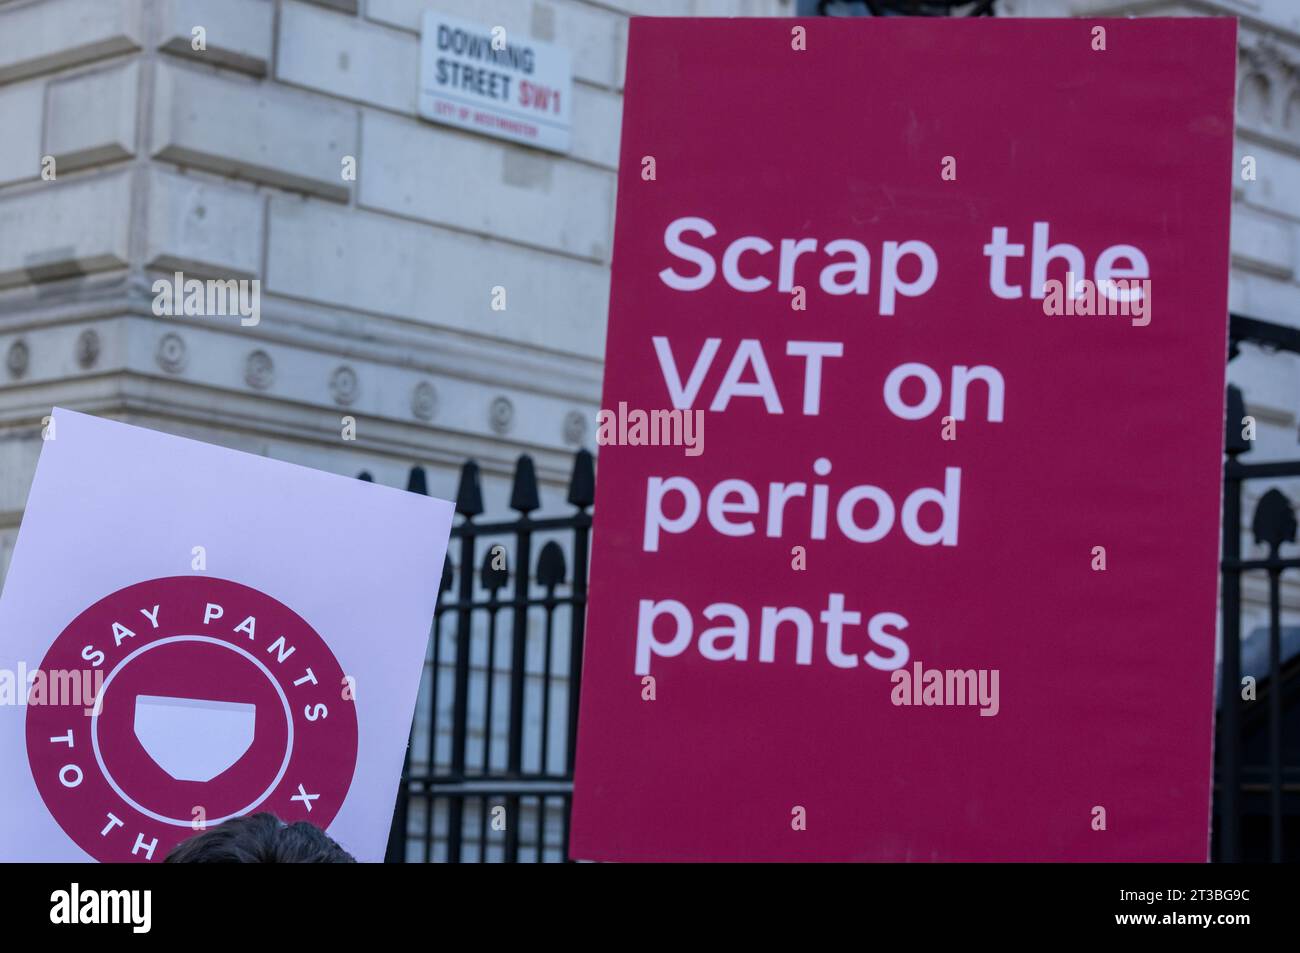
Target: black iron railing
(489, 773)
(1257, 783)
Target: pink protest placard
(908, 513)
(189, 634)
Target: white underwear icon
(193, 739)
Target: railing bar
(567, 802)
(1229, 729)
(491, 684)
(1270, 564)
(398, 835)
(1255, 471)
(432, 745)
(505, 778)
(460, 696)
(1275, 693)
(541, 827)
(543, 760)
(511, 527)
(428, 829)
(537, 602)
(1242, 328)
(577, 633)
(482, 829)
(518, 666)
(503, 787)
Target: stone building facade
(230, 162)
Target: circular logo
(175, 704)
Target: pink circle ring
(187, 822)
(300, 733)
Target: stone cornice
(309, 327)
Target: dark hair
(260, 839)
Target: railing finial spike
(523, 495)
(1274, 521)
(1234, 440)
(469, 496)
(582, 484)
(550, 566)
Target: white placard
(213, 634)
